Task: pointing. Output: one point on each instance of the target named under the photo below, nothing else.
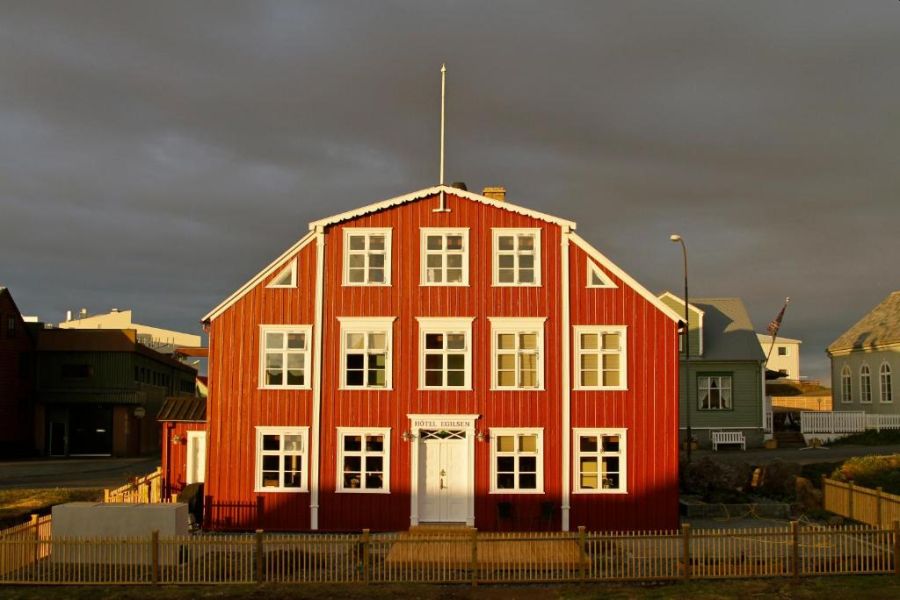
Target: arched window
(887, 392)
(865, 385)
(846, 396)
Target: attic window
(287, 278)
(596, 278)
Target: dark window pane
(433, 379)
(374, 463)
(352, 443)
(506, 481)
(506, 463)
(351, 480)
(374, 481)
(528, 481)
(270, 463)
(434, 341)
(434, 361)
(375, 443)
(354, 378)
(528, 463)
(588, 443)
(355, 361)
(271, 442)
(352, 464)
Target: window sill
(379, 285)
(284, 387)
(516, 492)
(600, 492)
(467, 388)
(517, 389)
(424, 284)
(365, 389)
(600, 389)
(516, 285)
(269, 490)
(361, 491)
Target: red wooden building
(457, 359)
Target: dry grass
(17, 504)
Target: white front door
(196, 457)
(443, 476)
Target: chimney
(83, 313)
(495, 193)
(68, 316)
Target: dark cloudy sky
(156, 155)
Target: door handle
(442, 483)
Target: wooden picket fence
(147, 488)
(873, 507)
(31, 556)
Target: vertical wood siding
(174, 456)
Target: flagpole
(443, 207)
(774, 326)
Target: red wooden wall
(174, 455)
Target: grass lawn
(16, 505)
(847, 587)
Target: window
(782, 351)
(281, 459)
(445, 353)
(445, 256)
(284, 356)
(517, 257)
(600, 358)
(714, 392)
(887, 392)
(600, 461)
(367, 256)
(517, 353)
(366, 352)
(517, 461)
(596, 278)
(287, 278)
(364, 460)
(11, 327)
(77, 371)
(846, 395)
(865, 385)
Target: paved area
(803, 456)
(74, 472)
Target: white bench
(728, 437)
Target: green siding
(873, 358)
(694, 331)
(746, 402)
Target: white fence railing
(769, 422)
(845, 422)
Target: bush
(870, 438)
(779, 480)
(871, 472)
(716, 482)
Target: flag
(775, 325)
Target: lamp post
(687, 349)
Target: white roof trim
(274, 265)
(364, 210)
(629, 281)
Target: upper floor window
(287, 277)
(367, 256)
(596, 278)
(600, 357)
(714, 392)
(284, 356)
(865, 385)
(782, 351)
(887, 392)
(281, 459)
(445, 256)
(445, 353)
(11, 327)
(366, 352)
(364, 460)
(517, 465)
(600, 460)
(517, 353)
(517, 257)
(846, 395)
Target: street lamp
(687, 348)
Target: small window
(284, 356)
(846, 393)
(281, 459)
(11, 327)
(445, 353)
(364, 460)
(518, 345)
(714, 392)
(782, 351)
(887, 392)
(600, 461)
(445, 256)
(367, 256)
(77, 371)
(517, 461)
(287, 278)
(600, 357)
(517, 257)
(596, 278)
(865, 385)
(366, 352)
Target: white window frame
(606, 281)
(623, 459)
(368, 325)
(444, 253)
(885, 375)
(445, 325)
(720, 376)
(517, 325)
(304, 461)
(385, 432)
(865, 398)
(622, 331)
(495, 253)
(367, 232)
(846, 385)
(539, 463)
(292, 266)
(306, 330)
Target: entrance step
(441, 529)
(790, 439)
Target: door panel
(196, 457)
(443, 480)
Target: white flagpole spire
(443, 208)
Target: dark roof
(183, 408)
(102, 340)
(880, 327)
(728, 333)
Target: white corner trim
(565, 379)
(318, 344)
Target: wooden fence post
(686, 550)
(37, 536)
(154, 556)
(897, 548)
(259, 555)
(582, 543)
(105, 495)
(365, 555)
(850, 500)
(878, 499)
(474, 565)
(795, 549)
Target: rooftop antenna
(443, 207)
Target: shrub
(716, 482)
(872, 472)
(779, 479)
